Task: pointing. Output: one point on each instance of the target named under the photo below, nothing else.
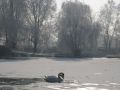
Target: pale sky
(94, 4)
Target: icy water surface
(80, 74)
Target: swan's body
(54, 79)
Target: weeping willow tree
(77, 31)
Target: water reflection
(75, 88)
(84, 86)
(63, 86)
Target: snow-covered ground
(80, 74)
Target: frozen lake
(80, 74)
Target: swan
(55, 79)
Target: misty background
(76, 29)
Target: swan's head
(61, 76)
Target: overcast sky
(94, 4)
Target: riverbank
(6, 53)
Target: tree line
(36, 26)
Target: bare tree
(109, 19)
(12, 12)
(39, 12)
(116, 29)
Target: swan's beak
(61, 77)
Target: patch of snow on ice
(98, 73)
(86, 84)
(73, 84)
